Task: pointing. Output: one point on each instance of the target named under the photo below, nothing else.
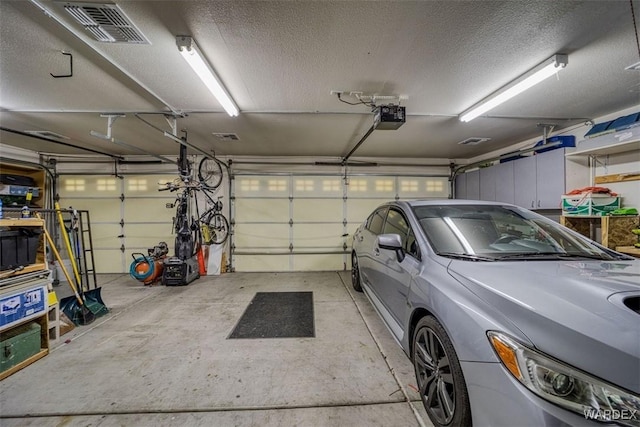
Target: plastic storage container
(18, 247)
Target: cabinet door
(473, 185)
(461, 186)
(488, 183)
(505, 191)
(524, 179)
(550, 167)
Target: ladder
(80, 229)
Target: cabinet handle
(532, 203)
(538, 203)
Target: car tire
(355, 273)
(439, 376)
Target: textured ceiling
(280, 60)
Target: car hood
(567, 310)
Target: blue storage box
(565, 141)
(599, 129)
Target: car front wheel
(355, 273)
(439, 375)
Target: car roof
(446, 202)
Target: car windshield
(501, 233)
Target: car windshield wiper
(471, 257)
(551, 254)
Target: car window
(377, 220)
(396, 224)
(411, 246)
(503, 232)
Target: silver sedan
(509, 318)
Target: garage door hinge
(344, 222)
(122, 223)
(344, 246)
(233, 248)
(290, 247)
(122, 197)
(122, 248)
(290, 222)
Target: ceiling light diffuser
(190, 52)
(531, 78)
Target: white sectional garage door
(305, 222)
(127, 215)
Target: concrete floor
(161, 358)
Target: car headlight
(566, 386)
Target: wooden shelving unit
(44, 346)
(29, 289)
(611, 231)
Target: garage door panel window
(421, 187)
(146, 186)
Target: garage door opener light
(190, 52)
(544, 70)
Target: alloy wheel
(435, 379)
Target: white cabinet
(550, 179)
(533, 182)
(461, 186)
(473, 185)
(488, 183)
(539, 181)
(524, 182)
(505, 191)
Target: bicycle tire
(210, 172)
(218, 228)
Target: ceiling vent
(106, 23)
(46, 134)
(226, 137)
(473, 141)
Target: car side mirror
(391, 242)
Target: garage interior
(334, 108)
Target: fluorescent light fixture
(531, 78)
(190, 52)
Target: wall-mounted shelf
(612, 143)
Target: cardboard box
(589, 204)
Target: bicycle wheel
(218, 228)
(210, 172)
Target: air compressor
(148, 269)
